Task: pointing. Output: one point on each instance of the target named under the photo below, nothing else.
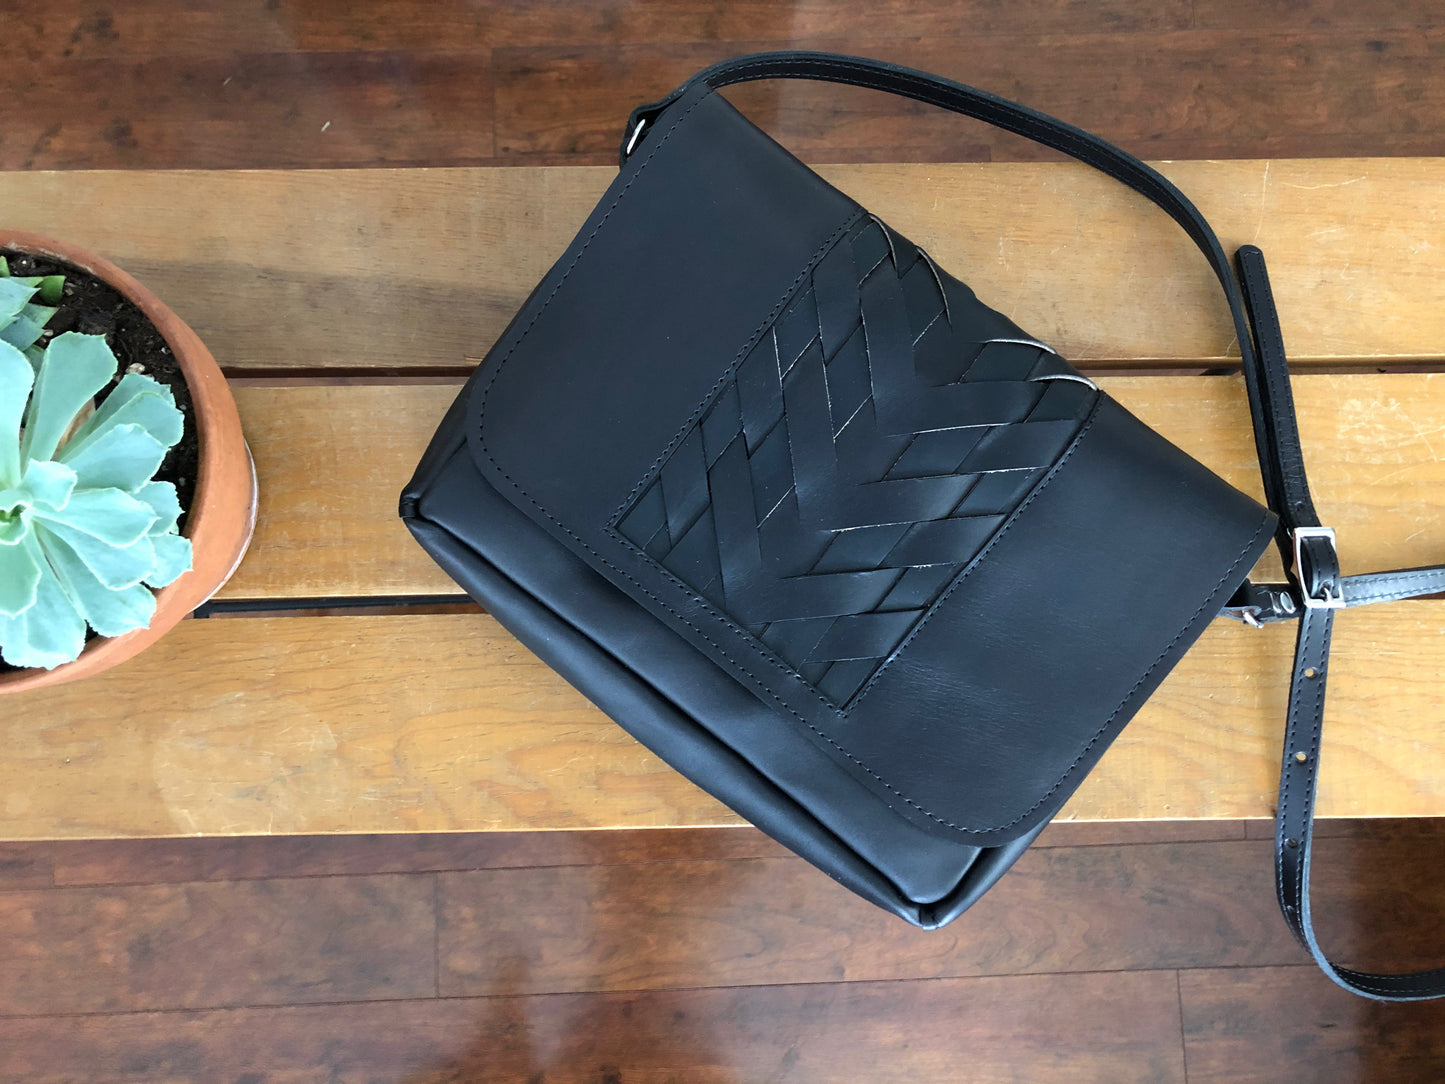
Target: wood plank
(74, 28)
(1378, 904)
(1291, 1025)
(1318, 14)
(1122, 1028)
(386, 270)
(25, 865)
(164, 861)
(329, 484)
(1193, 93)
(87, 862)
(331, 463)
(258, 110)
(405, 89)
(330, 729)
(1069, 833)
(78, 862)
(205, 945)
(317, 725)
(768, 921)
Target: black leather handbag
(842, 544)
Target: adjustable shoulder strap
(1316, 588)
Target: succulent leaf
(118, 567)
(50, 631)
(125, 457)
(19, 577)
(109, 612)
(130, 385)
(45, 486)
(76, 368)
(148, 405)
(14, 526)
(16, 380)
(161, 496)
(15, 294)
(50, 289)
(173, 557)
(25, 329)
(111, 516)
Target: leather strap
(1316, 588)
(1315, 592)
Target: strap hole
(1291, 843)
(1311, 672)
(1302, 758)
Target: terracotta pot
(223, 510)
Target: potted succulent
(127, 494)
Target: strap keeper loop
(1317, 567)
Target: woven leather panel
(867, 449)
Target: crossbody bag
(842, 544)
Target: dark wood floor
(257, 83)
(1144, 953)
(703, 955)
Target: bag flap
(914, 531)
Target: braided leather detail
(867, 449)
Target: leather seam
(521, 338)
(1392, 590)
(752, 340)
(1145, 677)
(762, 686)
(522, 335)
(1291, 736)
(786, 670)
(979, 558)
(1271, 349)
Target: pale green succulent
(22, 319)
(85, 532)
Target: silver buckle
(1334, 596)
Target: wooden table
(349, 305)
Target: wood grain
(112, 87)
(1379, 905)
(1291, 1025)
(328, 524)
(650, 910)
(336, 725)
(1170, 94)
(1340, 15)
(202, 945)
(25, 866)
(331, 463)
(163, 861)
(258, 110)
(385, 270)
(317, 725)
(172, 860)
(1121, 1028)
(766, 921)
(76, 862)
(82, 29)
